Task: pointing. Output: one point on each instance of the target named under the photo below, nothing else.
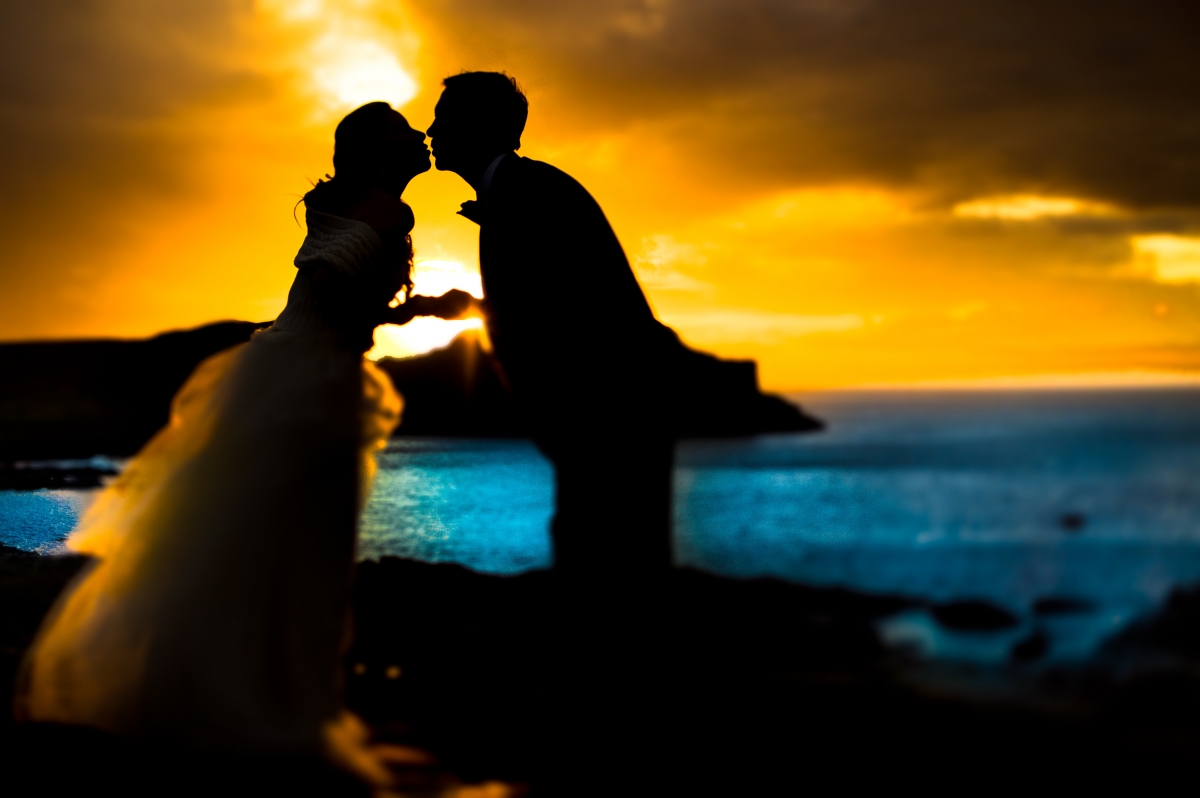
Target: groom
(569, 324)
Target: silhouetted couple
(215, 612)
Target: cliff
(76, 399)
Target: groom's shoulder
(544, 176)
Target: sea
(1009, 497)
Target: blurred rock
(1062, 605)
(457, 390)
(77, 399)
(1072, 522)
(1032, 648)
(1174, 628)
(973, 616)
(64, 399)
(18, 478)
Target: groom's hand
(472, 210)
(454, 304)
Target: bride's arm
(454, 304)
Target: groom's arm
(454, 304)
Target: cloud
(1025, 207)
(769, 163)
(91, 102)
(85, 88)
(958, 100)
(1167, 258)
(436, 277)
(345, 54)
(657, 265)
(726, 326)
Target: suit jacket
(568, 320)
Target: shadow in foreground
(699, 685)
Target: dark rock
(703, 686)
(104, 764)
(64, 399)
(1072, 522)
(973, 616)
(458, 390)
(721, 398)
(1062, 605)
(1175, 627)
(1165, 697)
(76, 399)
(29, 584)
(36, 478)
(461, 390)
(1031, 648)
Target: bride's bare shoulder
(384, 212)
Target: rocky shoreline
(698, 685)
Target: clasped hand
(454, 304)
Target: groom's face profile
(455, 134)
(466, 135)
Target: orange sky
(156, 155)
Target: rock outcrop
(76, 399)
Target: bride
(216, 611)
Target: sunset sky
(852, 192)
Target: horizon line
(1093, 380)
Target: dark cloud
(85, 85)
(957, 99)
(89, 90)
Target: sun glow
(726, 325)
(436, 277)
(1026, 207)
(356, 72)
(418, 336)
(222, 115)
(352, 51)
(430, 278)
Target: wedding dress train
(215, 612)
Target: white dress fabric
(216, 611)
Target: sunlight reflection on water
(485, 504)
(39, 520)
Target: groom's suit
(585, 359)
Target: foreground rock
(699, 686)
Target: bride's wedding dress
(216, 610)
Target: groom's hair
(498, 102)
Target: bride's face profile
(407, 151)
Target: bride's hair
(360, 155)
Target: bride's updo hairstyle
(360, 142)
(364, 157)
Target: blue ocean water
(1009, 497)
(485, 504)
